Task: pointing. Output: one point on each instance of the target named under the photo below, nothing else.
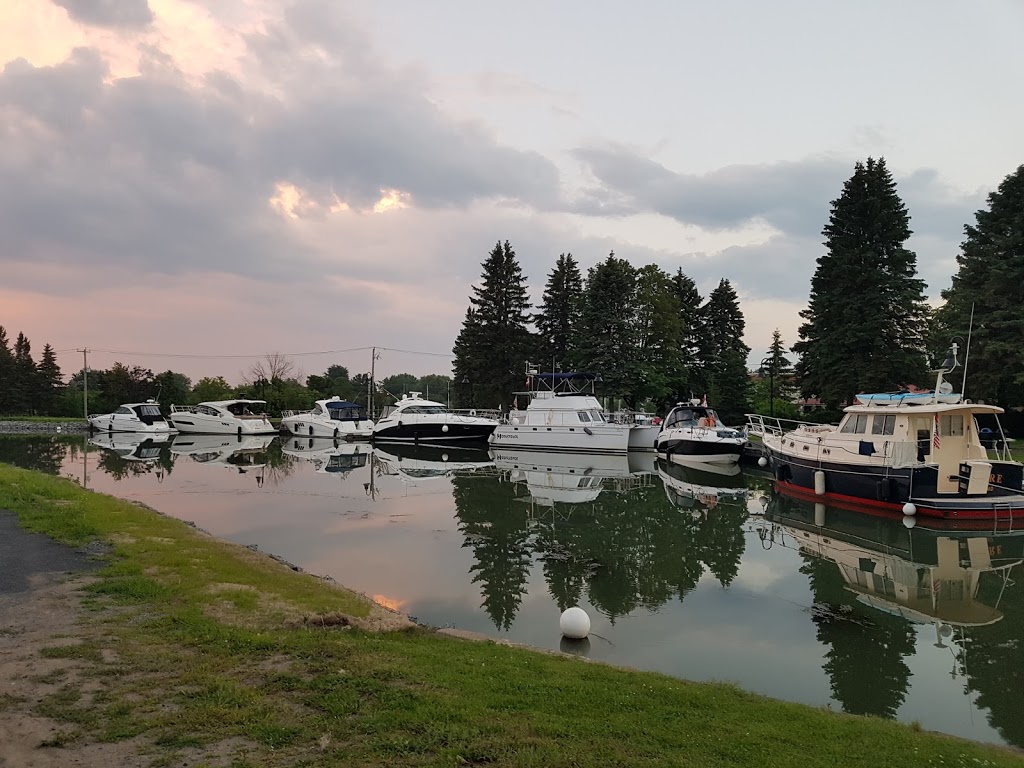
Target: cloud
(109, 13)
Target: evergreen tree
(990, 279)
(50, 381)
(723, 353)
(691, 319)
(608, 330)
(469, 363)
(6, 373)
(774, 391)
(558, 320)
(24, 381)
(660, 366)
(866, 317)
(492, 350)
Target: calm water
(705, 576)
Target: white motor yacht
(133, 417)
(223, 417)
(694, 432)
(415, 420)
(335, 418)
(564, 415)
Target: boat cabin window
(207, 410)
(318, 410)
(596, 416)
(425, 409)
(855, 424)
(584, 416)
(149, 410)
(347, 414)
(680, 417)
(951, 425)
(883, 425)
(122, 409)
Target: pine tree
(991, 280)
(723, 353)
(866, 317)
(6, 373)
(558, 320)
(775, 385)
(492, 349)
(50, 381)
(24, 382)
(608, 331)
(691, 318)
(660, 367)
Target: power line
(250, 357)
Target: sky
(192, 185)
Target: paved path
(25, 555)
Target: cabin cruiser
(132, 417)
(565, 478)
(416, 420)
(564, 415)
(137, 446)
(223, 417)
(327, 455)
(916, 456)
(923, 574)
(703, 485)
(335, 418)
(694, 432)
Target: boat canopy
(338, 405)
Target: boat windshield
(149, 410)
(681, 417)
(432, 409)
(347, 414)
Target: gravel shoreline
(79, 426)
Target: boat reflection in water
(416, 463)
(248, 454)
(133, 453)
(327, 455)
(702, 485)
(922, 574)
(570, 478)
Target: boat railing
(760, 425)
(287, 414)
(479, 413)
(183, 409)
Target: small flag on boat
(935, 434)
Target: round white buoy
(444, 428)
(762, 462)
(574, 623)
(909, 509)
(909, 521)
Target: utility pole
(85, 382)
(370, 385)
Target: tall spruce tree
(690, 313)
(990, 280)
(558, 320)
(6, 372)
(493, 356)
(24, 383)
(660, 367)
(49, 381)
(608, 328)
(723, 353)
(866, 317)
(469, 364)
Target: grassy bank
(192, 642)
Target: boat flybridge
(919, 454)
(223, 417)
(133, 417)
(334, 417)
(564, 415)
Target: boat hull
(212, 425)
(110, 423)
(599, 438)
(700, 450)
(889, 488)
(454, 430)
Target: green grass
(205, 653)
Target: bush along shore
(190, 650)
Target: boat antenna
(967, 353)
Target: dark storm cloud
(108, 13)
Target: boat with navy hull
(695, 432)
(414, 419)
(915, 456)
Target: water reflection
(699, 573)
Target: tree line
(39, 389)
(867, 326)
